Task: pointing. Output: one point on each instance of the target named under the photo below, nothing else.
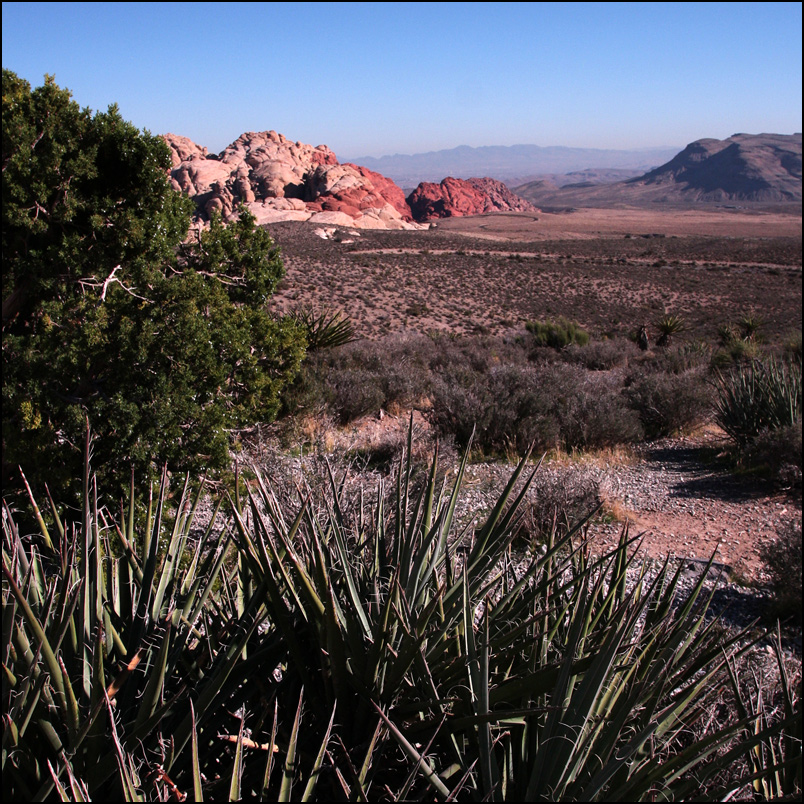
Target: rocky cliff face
(459, 197)
(278, 179)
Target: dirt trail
(684, 502)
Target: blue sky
(370, 79)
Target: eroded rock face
(459, 197)
(278, 179)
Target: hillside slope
(749, 168)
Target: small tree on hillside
(108, 315)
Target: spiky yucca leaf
(326, 328)
(101, 616)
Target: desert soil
(676, 494)
(610, 270)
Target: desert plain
(609, 269)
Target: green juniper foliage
(107, 315)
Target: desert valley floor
(611, 270)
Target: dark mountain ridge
(751, 168)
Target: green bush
(108, 314)
(557, 334)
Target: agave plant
(325, 329)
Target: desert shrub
(363, 376)
(777, 453)
(601, 355)
(354, 392)
(674, 360)
(461, 403)
(782, 558)
(756, 397)
(589, 408)
(666, 402)
(738, 342)
(792, 347)
(548, 406)
(522, 412)
(735, 353)
(557, 334)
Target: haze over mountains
(763, 168)
(512, 164)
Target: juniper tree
(109, 315)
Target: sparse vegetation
(436, 665)
(343, 625)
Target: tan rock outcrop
(265, 171)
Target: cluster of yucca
(369, 653)
(758, 397)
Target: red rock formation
(460, 197)
(500, 198)
(183, 149)
(265, 171)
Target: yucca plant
(756, 397)
(572, 678)
(326, 328)
(377, 653)
(669, 325)
(749, 326)
(110, 628)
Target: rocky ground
(677, 495)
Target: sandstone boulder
(460, 197)
(183, 148)
(262, 169)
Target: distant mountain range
(744, 167)
(512, 164)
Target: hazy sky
(369, 79)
